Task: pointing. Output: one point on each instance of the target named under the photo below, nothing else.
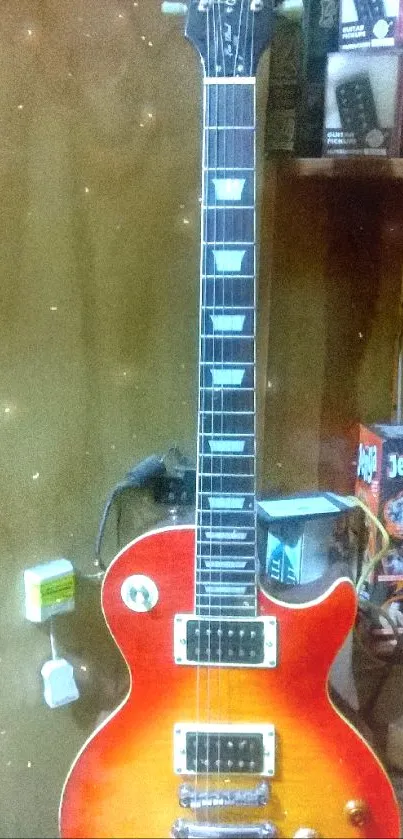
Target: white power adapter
(59, 684)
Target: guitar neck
(226, 531)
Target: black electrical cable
(139, 476)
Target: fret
(238, 579)
(231, 570)
(224, 485)
(235, 600)
(234, 228)
(216, 497)
(229, 148)
(228, 294)
(227, 516)
(225, 567)
(228, 277)
(231, 207)
(218, 410)
(237, 576)
(228, 436)
(231, 351)
(215, 608)
(227, 474)
(230, 105)
(229, 169)
(222, 336)
(232, 551)
(234, 401)
(208, 562)
(219, 528)
(224, 364)
(237, 463)
(229, 127)
(243, 470)
(220, 424)
(226, 590)
(227, 241)
(222, 542)
(211, 610)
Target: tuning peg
(170, 8)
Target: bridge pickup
(183, 829)
(195, 799)
(247, 749)
(225, 642)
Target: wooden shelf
(354, 168)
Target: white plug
(59, 684)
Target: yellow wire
(371, 565)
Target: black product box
(320, 27)
(310, 111)
(370, 23)
(283, 93)
(363, 104)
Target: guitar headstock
(230, 35)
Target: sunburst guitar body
(323, 776)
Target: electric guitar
(228, 731)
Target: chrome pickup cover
(225, 642)
(245, 749)
(195, 799)
(204, 830)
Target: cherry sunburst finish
(227, 731)
(123, 782)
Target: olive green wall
(99, 235)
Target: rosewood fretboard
(225, 566)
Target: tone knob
(357, 811)
(306, 833)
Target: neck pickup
(225, 642)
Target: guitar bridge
(196, 799)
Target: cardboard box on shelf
(363, 104)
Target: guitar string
(218, 45)
(205, 192)
(254, 316)
(221, 392)
(202, 397)
(202, 394)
